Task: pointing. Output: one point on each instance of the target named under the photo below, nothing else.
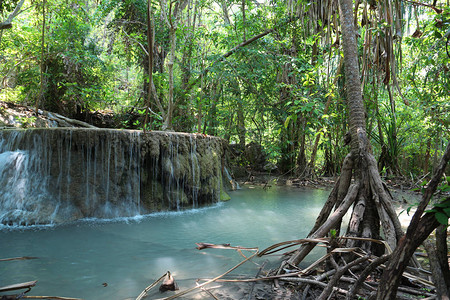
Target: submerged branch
(224, 246)
(18, 258)
(145, 291)
(49, 297)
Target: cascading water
(195, 171)
(60, 175)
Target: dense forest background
(266, 73)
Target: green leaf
(286, 123)
(447, 211)
(408, 210)
(444, 204)
(442, 218)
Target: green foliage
(272, 91)
(441, 211)
(7, 5)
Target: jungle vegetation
(265, 72)
(302, 79)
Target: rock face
(56, 175)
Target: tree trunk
(426, 160)
(7, 24)
(241, 122)
(312, 160)
(150, 61)
(41, 85)
(442, 252)
(418, 230)
(170, 104)
(244, 27)
(373, 209)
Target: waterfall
(233, 183)
(47, 177)
(60, 174)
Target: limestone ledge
(55, 175)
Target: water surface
(74, 260)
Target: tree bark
(150, 60)
(390, 280)
(373, 205)
(323, 230)
(418, 230)
(40, 97)
(442, 252)
(436, 271)
(7, 24)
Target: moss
(224, 195)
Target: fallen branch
(334, 218)
(250, 293)
(362, 277)
(18, 258)
(50, 297)
(334, 280)
(207, 291)
(268, 251)
(145, 291)
(18, 286)
(201, 246)
(225, 246)
(65, 121)
(314, 282)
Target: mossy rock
(224, 196)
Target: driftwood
(18, 258)
(168, 284)
(50, 297)
(145, 291)
(362, 267)
(18, 286)
(213, 246)
(355, 272)
(64, 121)
(26, 285)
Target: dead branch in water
(145, 291)
(201, 246)
(18, 286)
(49, 297)
(18, 258)
(364, 271)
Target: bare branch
(7, 23)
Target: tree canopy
(267, 72)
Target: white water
(58, 175)
(128, 254)
(42, 180)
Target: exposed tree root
(355, 272)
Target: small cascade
(61, 174)
(230, 180)
(195, 169)
(57, 175)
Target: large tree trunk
(373, 209)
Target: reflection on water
(129, 254)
